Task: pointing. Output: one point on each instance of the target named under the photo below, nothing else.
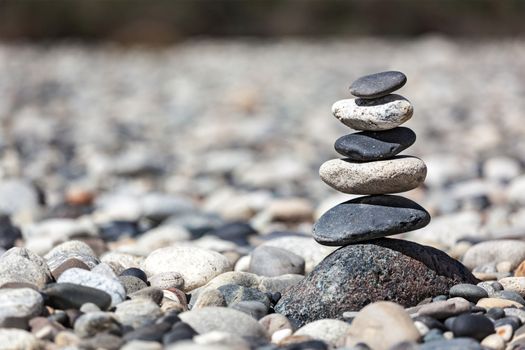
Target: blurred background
(226, 104)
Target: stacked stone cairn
(370, 267)
(372, 166)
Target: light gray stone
(137, 312)
(273, 261)
(19, 305)
(399, 174)
(18, 339)
(495, 251)
(328, 330)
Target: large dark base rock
(356, 275)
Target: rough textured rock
(367, 218)
(374, 115)
(356, 275)
(378, 84)
(375, 145)
(399, 174)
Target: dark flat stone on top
(378, 84)
(367, 218)
(375, 145)
(73, 296)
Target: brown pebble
(79, 196)
(68, 264)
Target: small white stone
(279, 335)
(493, 342)
(383, 113)
(328, 330)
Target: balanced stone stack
(369, 267)
(372, 166)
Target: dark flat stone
(356, 275)
(468, 291)
(375, 145)
(369, 217)
(378, 84)
(72, 296)
(473, 326)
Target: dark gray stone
(378, 84)
(135, 272)
(495, 313)
(510, 295)
(8, 232)
(452, 344)
(473, 326)
(180, 331)
(151, 332)
(356, 275)
(237, 232)
(375, 145)
(369, 217)
(72, 296)
(234, 293)
(468, 291)
(273, 261)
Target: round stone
(356, 275)
(196, 265)
(473, 326)
(17, 306)
(367, 218)
(399, 174)
(167, 280)
(375, 145)
(137, 312)
(378, 84)
(373, 115)
(468, 291)
(330, 331)
(273, 261)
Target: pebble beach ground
(165, 198)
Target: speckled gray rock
(137, 312)
(19, 305)
(234, 293)
(375, 145)
(94, 280)
(222, 319)
(356, 275)
(399, 174)
(373, 115)
(196, 265)
(367, 218)
(273, 261)
(15, 268)
(378, 84)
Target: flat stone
(495, 251)
(72, 249)
(382, 325)
(379, 114)
(224, 320)
(369, 217)
(356, 275)
(72, 296)
(197, 266)
(68, 264)
(468, 291)
(17, 306)
(445, 309)
(488, 303)
(94, 280)
(378, 84)
(330, 331)
(375, 145)
(273, 261)
(399, 174)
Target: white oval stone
(328, 330)
(399, 174)
(197, 266)
(383, 113)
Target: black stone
(237, 232)
(8, 233)
(431, 322)
(72, 296)
(356, 275)
(180, 331)
(495, 313)
(369, 217)
(470, 292)
(151, 332)
(473, 326)
(378, 84)
(375, 145)
(135, 272)
(114, 230)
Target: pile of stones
(368, 267)
(372, 166)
